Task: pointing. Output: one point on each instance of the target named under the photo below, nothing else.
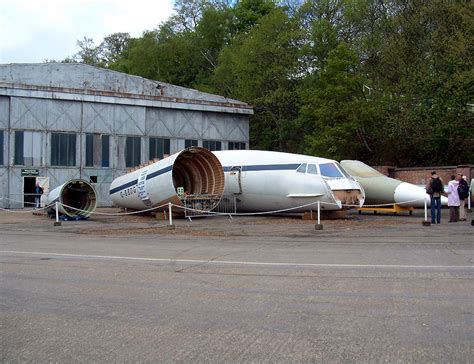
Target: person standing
(435, 189)
(453, 198)
(463, 191)
(38, 193)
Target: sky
(32, 31)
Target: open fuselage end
(194, 171)
(77, 198)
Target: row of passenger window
(27, 148)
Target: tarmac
(366, 288)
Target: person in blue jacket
(38, 193)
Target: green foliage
(336, 110)
(140, 57)
(249, 12)
(105, 55)
(386, 82)
(257, 68)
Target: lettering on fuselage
(141, 187)
(128, 191)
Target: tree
(335, 112)
(423, 76)
(383, 81)
(140, 56)
(88, 53)
(258, 68)
(248, 13)
(112, 48)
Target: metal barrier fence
(207, 205)
(18, 201)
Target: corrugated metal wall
(4, 124)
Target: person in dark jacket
(435, 189)
(38, 193)
(463, 190)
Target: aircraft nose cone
(407, 194)
(444, 201)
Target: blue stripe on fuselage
(252, 168)
(134, 182)
(157, 173)
(266, 167)
(122, 187)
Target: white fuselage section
(273, 181)
(261, 181)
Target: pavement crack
(450, 248)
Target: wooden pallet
(40, 213)
(388, 210)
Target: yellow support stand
(394, 209)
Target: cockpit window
(344, 172)
(312, 169)
(302, 168)
(329, 170)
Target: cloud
(32, 30)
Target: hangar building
(60, 121)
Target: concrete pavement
(384, 289)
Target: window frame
(334, 168)
(160, 144)
(315, 172)
(136, 151)
(212, 143)
(232, 145)
(2, 146)
(188, 143)
(91, 142)
(18, 157)
(302, 168)
(70, 141)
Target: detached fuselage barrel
(77, 198)
(194, 171)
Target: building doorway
(29, 184)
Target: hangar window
(190, 143)
(312, 169)
(105, 151)
(212, 144)
(27, 148)
(236, 146)
(329, 170)
(1, 147)
(97, 150)
(63, 149)
(302, 168)
(132, 151)
(158, 148)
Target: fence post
(425, 221)
(170, 213)
(469, 201)
(57, 222)
(318, 226)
